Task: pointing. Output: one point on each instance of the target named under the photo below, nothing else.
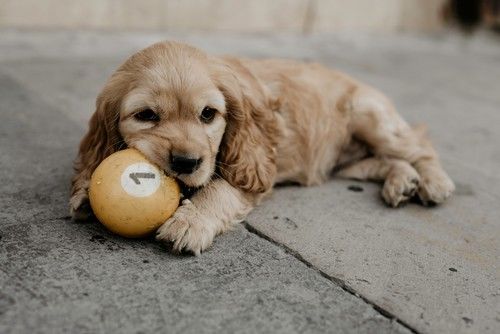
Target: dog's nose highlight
(184, 165)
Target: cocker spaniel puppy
(232, 128)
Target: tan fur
(278, 120)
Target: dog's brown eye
(147, 115)
(208, 114)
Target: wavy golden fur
(271, 121)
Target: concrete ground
(320, 259)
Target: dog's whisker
(115, 145)
(225, 170)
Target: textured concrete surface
(435, 270)
(57, 276)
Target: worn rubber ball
(131, 196)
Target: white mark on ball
(140, 179)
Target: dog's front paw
(435, 188)
(187, 229)
(79, 206)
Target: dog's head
(193, 115)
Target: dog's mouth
(187, 183)
(186, 191)
(185, 179)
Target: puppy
(232, 128)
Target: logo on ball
(140, 179)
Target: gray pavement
(321, 259)
(57, 276)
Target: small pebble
(355, 188)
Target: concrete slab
(73, 98)
(62, 277)
(435, 269)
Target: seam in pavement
(383, 312)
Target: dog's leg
(400, 178)
(211, 211)
(375, 121)
(79, 205)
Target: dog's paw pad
(435, 190)
(79, 207)
(398, 189)
(187, 231)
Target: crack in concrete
(383, 312)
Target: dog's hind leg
(399, 177)
(375, 122)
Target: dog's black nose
(184, 165)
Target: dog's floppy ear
(103, 136)
(248, 149)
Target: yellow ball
(131, 196)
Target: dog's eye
(147, 115)
(208, 114)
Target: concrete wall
(225, 15)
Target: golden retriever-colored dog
(232, 128)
